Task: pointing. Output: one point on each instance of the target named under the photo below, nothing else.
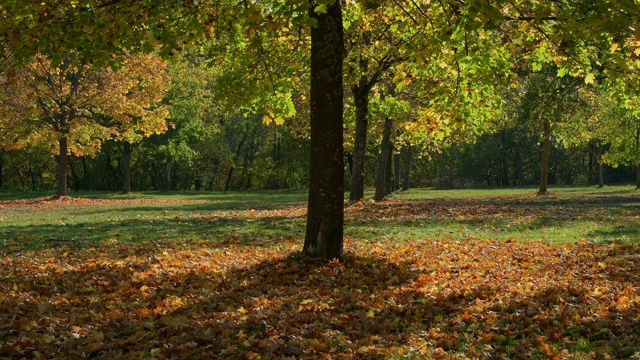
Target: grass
(569, 214)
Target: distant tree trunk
(167, 174)
(600, 167)
(407, 168)
(63, 165)
(546, 152)
(361, 99)
(385, 147)
(637, 177)
(388, 174)
(396, 171)
(325, 209)
(126, 167)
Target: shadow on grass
(367, 307)
(494, 217)
(217, 231)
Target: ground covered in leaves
(188, 297)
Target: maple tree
(73, 108)
(325, 212)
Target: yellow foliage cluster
(42, 103)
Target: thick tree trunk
(63, 165)
(361, 99)
(546, 152)
(126, 167)
(407, 169)
(385, 149)
(325, 212)
(167, 174)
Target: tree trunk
(546, 152)
(637, 177)
(63, 165)
(325, 212)
(126, 167)
(396, 171)
(388, 173)
(167, 174)
(407, 168)
(361, 99)
(381, 178)
(600, 167)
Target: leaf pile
(423, 298)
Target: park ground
(494, 273)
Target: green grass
(568, 214)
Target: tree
(66, 106)
(325, 209)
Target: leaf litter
(424, 298)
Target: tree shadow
(141, 303)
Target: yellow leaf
(370, 314)
(597, 291)
(589, 79)
(614, 47)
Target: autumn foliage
(418, 298)
(73, 107)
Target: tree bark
(361, 99)
(637, 177)
(388, 173)
(63, 165)
(325, 211)
(396, 171)
(600, 167)
(546, 152)
(381, 174)
(126, 167)
(407, 168)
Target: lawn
(489, 273)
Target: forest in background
(441, 95)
